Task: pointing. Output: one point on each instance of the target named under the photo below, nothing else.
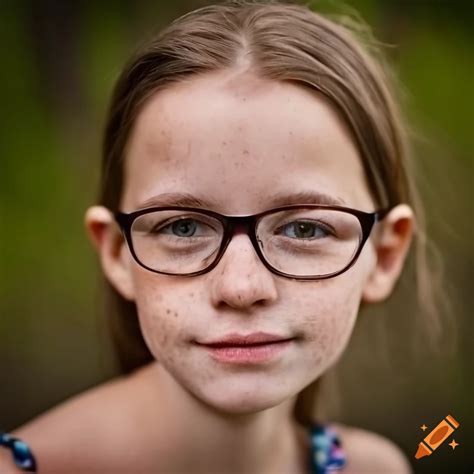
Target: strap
(326, 450)
(22, 454)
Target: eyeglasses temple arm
(381, 214)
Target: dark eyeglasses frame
(249, 223)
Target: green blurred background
(59, 62)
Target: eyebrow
(183, 199)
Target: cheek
(330, 314)
(161, 318)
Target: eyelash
(325, 227)
(191, 238)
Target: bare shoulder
(368, 452)
(85, 429)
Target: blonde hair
(283, 42)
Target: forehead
(237, 140)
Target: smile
(255, 353)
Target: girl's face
(238, 141)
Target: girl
(254, 193)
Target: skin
(239, 139)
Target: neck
(265, 442)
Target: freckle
(245, 152)
(191, 294)
(224, 143)
(168, 311)
(175, 315)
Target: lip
(253, 348)
(248, 354)
(235, 339)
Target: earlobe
(111, 249)
(391, 246)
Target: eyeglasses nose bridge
(240, 228)
(240, 225)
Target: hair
(282, 42)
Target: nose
(240, 280)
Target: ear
(391, 243)
(111, 248)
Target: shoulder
(87, 430)
(370, 452)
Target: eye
(185, 227)
(305, 230)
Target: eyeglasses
(301, 241)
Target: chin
(241, 399)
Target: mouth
(247, 349)
(256, 338)
(218, 345)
